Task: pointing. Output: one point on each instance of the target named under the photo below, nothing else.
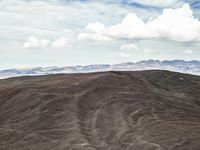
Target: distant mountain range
(191, 67)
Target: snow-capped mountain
(192, 67)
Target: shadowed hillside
(147, 110)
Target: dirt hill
(147, 110)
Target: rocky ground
(147, 110)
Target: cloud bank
(173, 24)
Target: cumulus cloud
(34, 42)
(62, 42)
(94, 34)
(95, 27)
(174, 24)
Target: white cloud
(188, 51)
(94, 33)
(130, 27)
(95, 27)
(34, 42)
(127, 50)
(173, 24)
(62, 42)
(128, 47)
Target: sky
(82, 32)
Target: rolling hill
(141, 110)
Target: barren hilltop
(144, 110)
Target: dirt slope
(148, 110)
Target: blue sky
(81, 32)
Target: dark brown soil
(147, 110)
